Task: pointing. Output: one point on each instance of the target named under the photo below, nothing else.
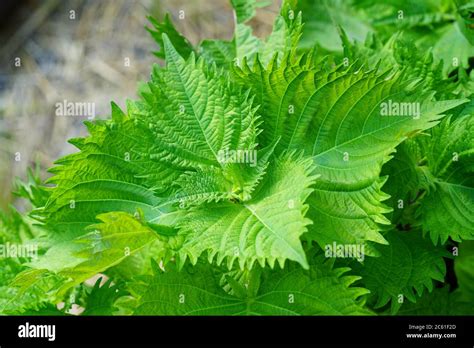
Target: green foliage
(349, 190)
(101, 299)
(215, 191)
(17, 230)
(109, 242)
(408, 264)
(245, 9)
(433, 24)
(322, 29)
(266, 228)
(287, 29)
(167, 27)
(321, 289)
(440, 301)
(448, 207)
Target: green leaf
(452, 47)
(226, 53)
(31, 189)
(30, 290)
(246, 47)
(405, 180)
(465, 20)
(17, 230)
(129, 160)
(191, 128)
(118, 236)
(337, 117)
(464, 269)
(408, 264)
(44, 310)
(9, 269)
(206, 185)
(398, 51)
(285, 36)
(408, 14)
(246, 177)
(428, 24)
(108, 174)
(439, 302)
(180, 43)
(220, 52)
(246, 9)
(447, 210)
(235, 181)
(464, 88)
(323, 17)
(101, 299)
(321, 290)
(266, 228)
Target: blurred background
(83, 51)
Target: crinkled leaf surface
(266, 228)
(118, 236)
(321, 290)
(337, 117)
(409, 263)
(447, 210)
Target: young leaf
(284, 37)
(180, 43)
(225, 53)
(265, 228)
(235, 181)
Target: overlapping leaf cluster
(220, 190)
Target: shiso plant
(325, 170)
